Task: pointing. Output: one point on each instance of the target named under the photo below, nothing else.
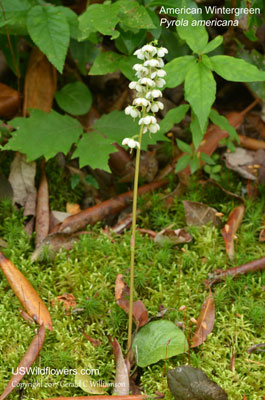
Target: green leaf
(49, 30)
(200, 90)
(197, 133)
(207, 61)
(83, 53)
(207, 159)
(133, 16)
(72, 20)
(99, 18)
(177, 70)
(128, 41)
(194, 164)
(172, 117)
(125, 65)
(87, 384)
(194, 35)
(184, 146)
(15, 15)
(106, 63)
(43, 134)
(93, 149)
(182, 163)
(257, 59)
(236, 70)
(158, 340)
(74, 98)
(4, 45)
(213, 44)
(222, 122)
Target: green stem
(135, 193)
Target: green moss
(165, 277)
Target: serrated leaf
(213, 44)
(74, 98)
(43, 134)
(177, 70)
(99, 18)
(172, 117)
(200, 91)
(195, 36)
(182, 163)
(133, 15)
(158, 340)
(189, 383)
(87, 384)
(93, 149)
(222, 122)
(236, 70)
(49, 30)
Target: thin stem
(135, 193)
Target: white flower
(156, 93)
(160, 82)
(156, 106)
(152, 63)
(132, 85)
(149, 49)
(149, 119)
(160, 62)
(162, 51)
(139, 88)
(161, 73)
(147, 81)
(154, 128)
(131, 143)
(141, 101)
(132, 111)
(137, 67)
(139, 54)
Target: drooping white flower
(149, 119)
(131, 143)
(147, 81)
(161, 73)
(132, 85)
(160, 82)
(154, 128)
(132, 111)
(152, 63)
(156, 106)
(141, 101)
(162, 51)
(156, 93)
(139, 54)
(149, 49)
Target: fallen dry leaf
(22, 179)
(28, 359)
(68, 300)
(25, 293)
(122, 294)
(230, 229)
(200, 214)
(241, 161)
(219, 274)
(42, 210)
(40, 82)
(176, 236)
(205, 322)
(9, 101)
(122, 385)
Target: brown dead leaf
(40, 83)
(230, 229)
(122, 385)
(241, 162)
(72, 208)
(9, 101)
(122, 293)
(68, 300)
(26, 362)
(200, 214)
(176, 236)
(22, 179)
(42, 211)
(25, 293)
(205, 322)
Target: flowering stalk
(150, 79)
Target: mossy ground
(165, 276)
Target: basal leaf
(213, 44)
(172, 117)
(222, 122)
(49, 30)
(196, 36)
(93, 149)
(43, 134)
(236, 70)
(177, 69)
(74, 98)
(158, 340)
(200, 90)
(99, 18)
